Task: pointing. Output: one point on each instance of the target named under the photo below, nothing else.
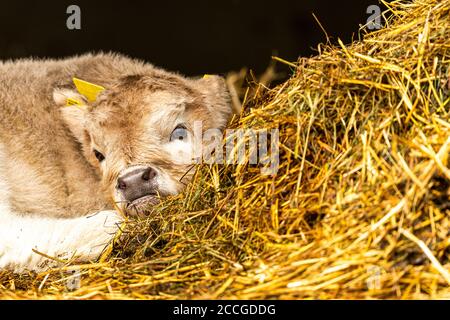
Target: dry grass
(360, 205)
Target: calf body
(56, 193)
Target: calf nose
(137, 183)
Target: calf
(69, 173)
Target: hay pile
(360, 205)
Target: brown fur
(50, 163)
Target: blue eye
(179, 133)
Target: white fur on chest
(80, 239)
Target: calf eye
(179, 133)
(100, 157)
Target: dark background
(192, 37)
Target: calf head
(138, 133)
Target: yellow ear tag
(72, 102)
(206, 76)
(87, 89)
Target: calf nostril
(121, 184)
(148, 174)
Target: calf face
(139, 133)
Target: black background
(192, 37)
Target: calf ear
(73, 115)
(217, 97)
(61, 95)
